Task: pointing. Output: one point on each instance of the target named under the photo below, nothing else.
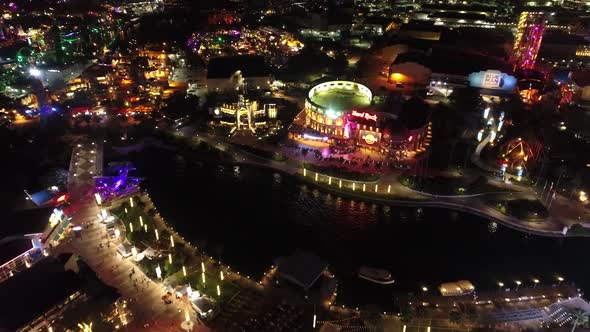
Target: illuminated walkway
(150, 313)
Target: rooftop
(301, 268)
(341, 99)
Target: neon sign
(369, 137)
(364, 115)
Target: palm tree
(580, 318)
(455, 316)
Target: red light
(410, 138)
(62, 198)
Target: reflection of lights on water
(492, 227)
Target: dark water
(252, 217)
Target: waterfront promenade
(388, 190)
(93, 245)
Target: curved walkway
(388, 186)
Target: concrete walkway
(93, 246)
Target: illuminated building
(245, 114)
(529, 34)
(341, 114)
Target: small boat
(379, 276)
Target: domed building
(343, 114)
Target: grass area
(130, 217)
(209, 287)
(343, 173)
(440, 185)
(578, 229)
(530, 210)
(262, 153)
(340, 99)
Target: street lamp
(560, 279)
(536, 281)
(518, 283)
(500, 285)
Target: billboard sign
(369, 138)
(492, 79)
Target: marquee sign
(369, 138)
(364, 115)
(492, 79)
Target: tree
(454, 316)
(372, 318)
(466, 100)
(407, 314)
(580, 318)
(54, 36)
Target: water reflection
(268, 220)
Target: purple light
(116, 186)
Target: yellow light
(98, 198)
(203, 266)
(157, 235)
(340, 184)
(389, 189)
(304, 172)
(364, 185)
(218, 291)
(145, 227)
(221, 275)
(330, 180)
(131, 227)
(203, 277)
(397, 76)
(376, 187)
(316, 176)
(170, 258)
(140, 220)
(184, 270)
(171, 241)
(353, 186)
(131, 201)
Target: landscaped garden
(444, 185)
(530, 210)
(174, 260)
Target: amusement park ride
(515, 155)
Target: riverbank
(387, 189)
